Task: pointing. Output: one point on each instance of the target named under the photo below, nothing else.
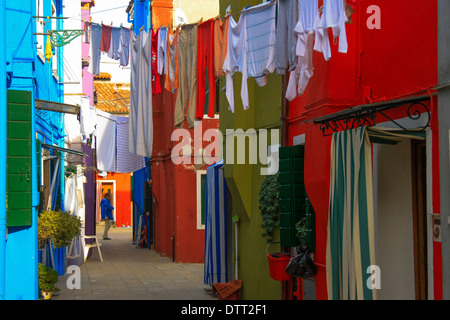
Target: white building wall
(72, 54)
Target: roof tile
(112, 97)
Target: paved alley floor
(129, 273)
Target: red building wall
(175, 188)
(398, 60)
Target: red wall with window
(175, 186)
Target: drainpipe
(284, 112)
(3, 120)
(141, 15)
(60, 86)
(444, 149)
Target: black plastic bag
(293, 267)
(306, 268)
(301, 266)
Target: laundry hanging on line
(112, 148)
(255, 52)
(279, 35)
(114, 41)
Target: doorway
(400, 194)
(104, 187)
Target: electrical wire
(78, 17)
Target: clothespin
(111, 23)
(142, 28)
(228, 11)
(217, 17)
(121, 24)
(200, 21)
(247, 7)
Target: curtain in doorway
(351, 232)
(74, 204)
(54, 187)
(216, 246)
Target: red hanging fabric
(106, 38)
(156, 79)
(205, 65)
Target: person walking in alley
(107, 215)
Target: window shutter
(19, 181)
(203, 197)
(310, 218)
(292, 193)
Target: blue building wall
(26, 71)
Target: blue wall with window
(27, 72)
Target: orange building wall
(161, 13)
(122, 198)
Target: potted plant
(48, 277)
(61, 227)
(269, 206)
(58, 227)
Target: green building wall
(244, 180)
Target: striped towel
(126, 162)
(261, 37)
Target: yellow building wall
(197, 9)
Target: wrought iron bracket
(366, 115)
(60, 38)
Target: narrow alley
(276, 151)
(129, 273)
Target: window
(294, 201)
(54, 27)
(201, 199)
(44, 25)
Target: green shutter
(18, 178)
(310, 218)
(294, 201)
(292, 193)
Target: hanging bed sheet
(106, 141)
(126, 162)
(216, 244)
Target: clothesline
(77, 17)
(276, 36)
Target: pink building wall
(88, 78)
